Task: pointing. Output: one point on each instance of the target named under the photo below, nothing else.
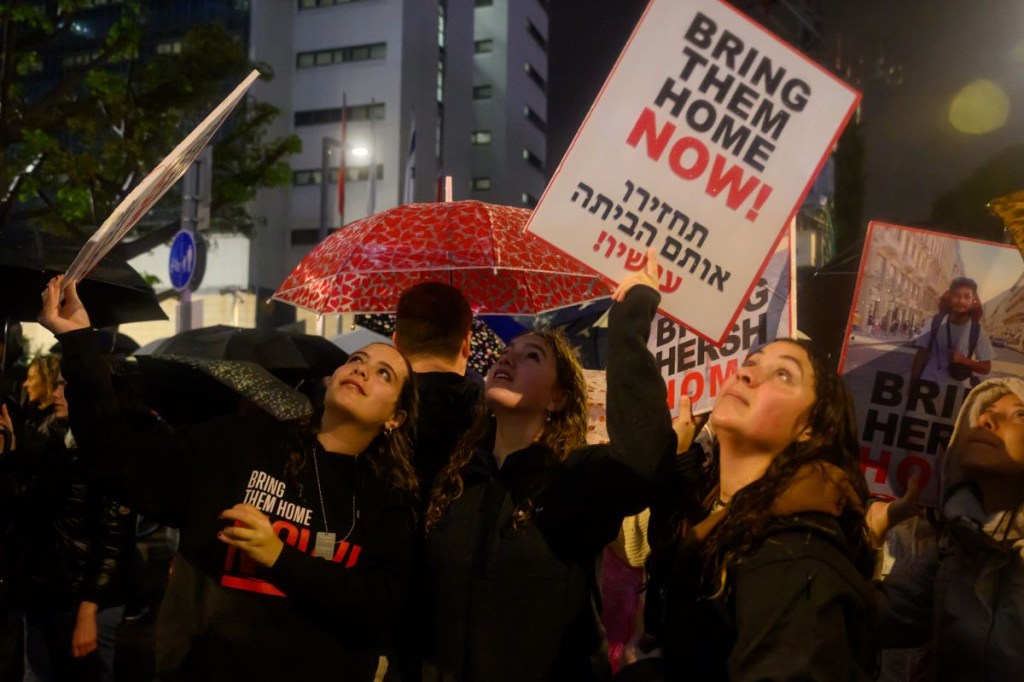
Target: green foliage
(74, 145)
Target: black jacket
(516, 601)
(448, 403)
(73, 544)
(796, 609)
(223, 617)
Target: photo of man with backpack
(954, 348)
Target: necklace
(325, 539)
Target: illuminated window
(342, 55)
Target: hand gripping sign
(154, 186)
(702, 143)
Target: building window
(312, 4)
(305, 178)
(483, 46)
(537, 36)
(535, 76)
(441, 26)
(305, 237)
(480, 184)
(80, 59)
(358, 112)
(482, 91)
(169, 48)
(479, 137)
(341, 55)
(532, 159)
(440, 81)
(535, 119)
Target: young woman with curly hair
(762, 568)
(517, 518)
(296, 542)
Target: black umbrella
(110, 341)
(186, 390)
(113, 293)
(288, 355)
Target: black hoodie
(514, 601)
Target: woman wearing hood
(963, 591)
(763, 573)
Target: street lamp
(326, 146)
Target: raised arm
(618, 479)
(145, 468)
(639, 423)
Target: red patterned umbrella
(481, 249)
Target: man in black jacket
(433, 329)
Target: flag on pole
(410, 165)
(341, 163)
(371, 195)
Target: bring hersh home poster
(923, 301)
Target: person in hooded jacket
(518, 517)
(960, 593)
(296, 540)
(761, 559)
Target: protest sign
(153, 186)
(695, 368)
(913, 303)
(702, 143)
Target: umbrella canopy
(110, 341)
(114, 293)
(353, 340)
(480, 249)
(288, 355)
(186, 390)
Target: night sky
(913, 152)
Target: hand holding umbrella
(66, 317)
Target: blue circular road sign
(183, 260)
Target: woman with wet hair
(762, 563)
(517, 518)
(296, 541)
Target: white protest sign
(695, 368)
(703, 142)
(153, 186)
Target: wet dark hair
(565, 431)
(432, 318)
(389, 455)
(832, 439)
